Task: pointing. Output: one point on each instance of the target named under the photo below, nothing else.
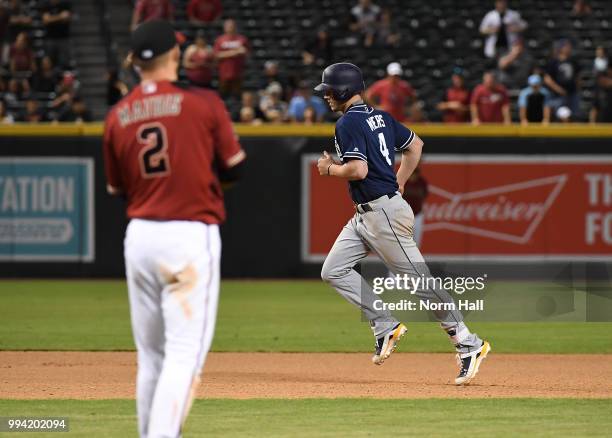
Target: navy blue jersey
(371, 135)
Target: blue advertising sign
(46, 209)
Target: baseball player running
(162, 144)
(366, 140)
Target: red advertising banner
(487, 207)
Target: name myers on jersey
(375, 122)
(160, 105)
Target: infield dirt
(107, 375)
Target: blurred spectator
(231, 50)
(66, 91)
(502, 27)
(146, 10)
(76, 112)
(303, 100)
(319, 50)
(20, 20)
(56, 17)
(22, 63)
(581, 8)
(602, 104)
(128, 73)
(249, 111)
(490, 102)
(392, 94)
(364, 18)
(5, 16)
(600, 63)
(515, 65)
(198, 61)
(417, 113)
(5, 116)
(534, 102)
(115, 88)
(563, 78)
(387, 34)
(310, 116)
(33, 113)
(200, 12)
(272, 74)
(274, 109)
(456, 106)
(247, 115)
(46, 78)
(15, 91)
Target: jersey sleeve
(350, 145)
(111, 164)
(227, 148)
(403, 136)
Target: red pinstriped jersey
(162, 144)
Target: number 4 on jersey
(383, 148)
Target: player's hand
(323, 164)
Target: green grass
(340, 417)
(254, 316)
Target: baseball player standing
(164, 145)
(366, 140)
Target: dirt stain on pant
(180, 285)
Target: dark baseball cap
(152, 39)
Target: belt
(366, 207)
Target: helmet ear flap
(342, 93)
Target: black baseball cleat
(386, 345)
(469, 364)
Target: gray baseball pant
(387, 231)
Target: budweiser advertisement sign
(554, 207)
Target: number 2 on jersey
(383, 148)
(154, 159)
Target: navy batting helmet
(343, 79)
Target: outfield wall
(500, 194)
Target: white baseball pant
(172, 270)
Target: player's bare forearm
(410, 160)
(353, 170)
(523, 116)
(546, 119)
(474, 112)
(506, 114)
